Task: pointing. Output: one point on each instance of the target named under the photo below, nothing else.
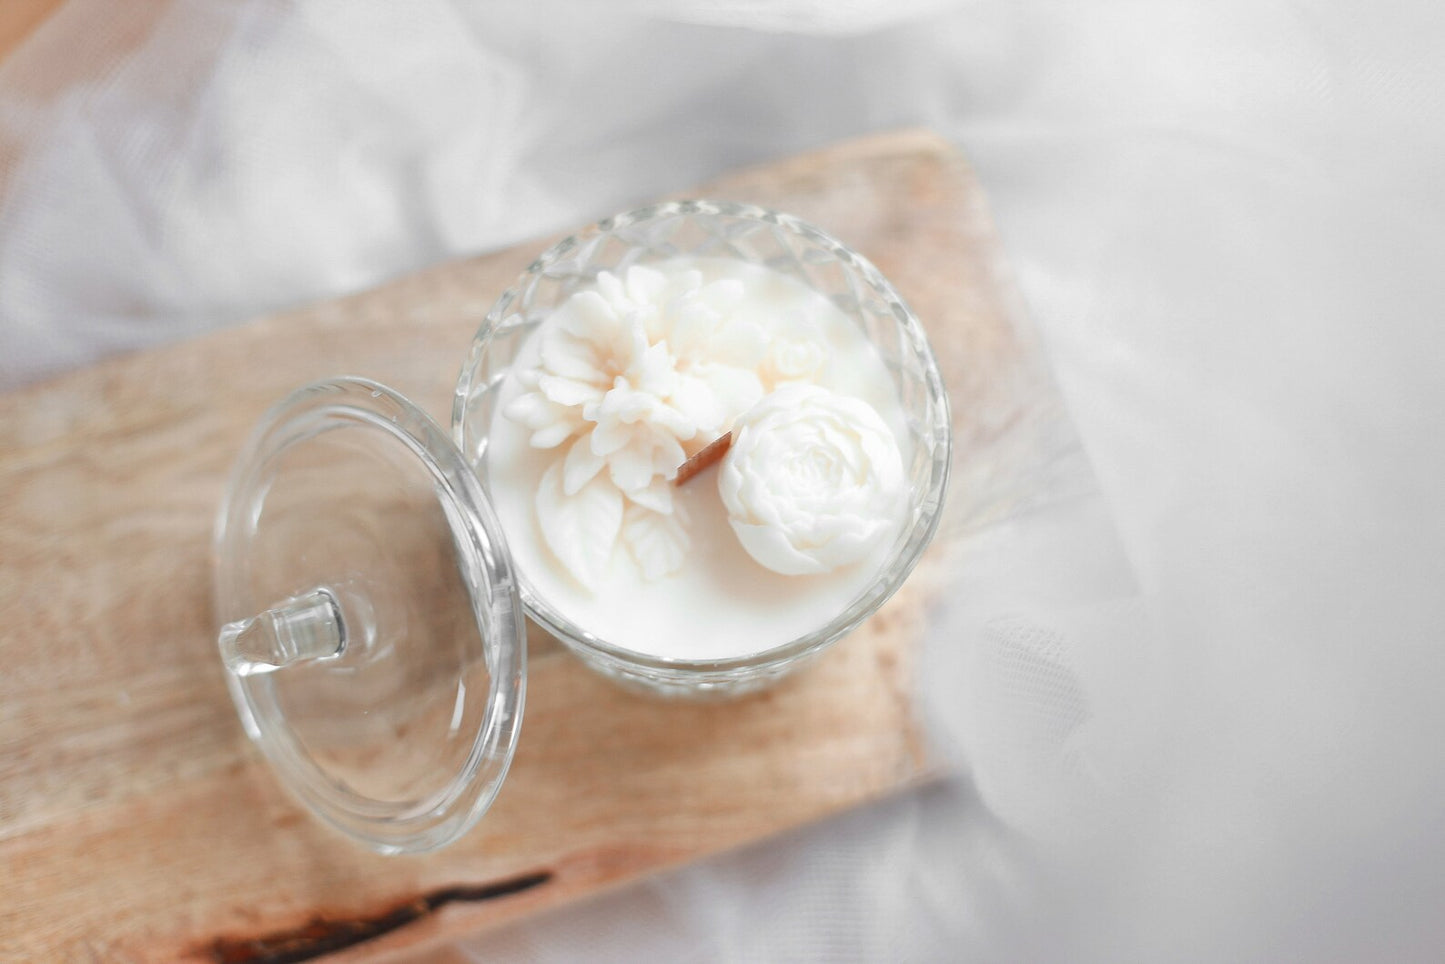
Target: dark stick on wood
(322, 936)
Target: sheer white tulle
(1227, 221)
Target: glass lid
(371, 631)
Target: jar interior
(754, 236)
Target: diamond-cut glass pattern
(753, 234)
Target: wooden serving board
(137, 823)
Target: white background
(1228, 220)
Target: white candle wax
(715, 600)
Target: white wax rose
(813, 480)
(798, 352)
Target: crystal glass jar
(372, 620)
(751, 234)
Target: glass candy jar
(372, 613)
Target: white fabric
(1228, 219)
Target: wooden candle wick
(706, 456)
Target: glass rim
(908, 548)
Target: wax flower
(634, 376)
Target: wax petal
(581, 529)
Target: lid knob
(300, 629)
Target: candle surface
(630, 377)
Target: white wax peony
(813, 480)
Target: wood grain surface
(137, 823)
